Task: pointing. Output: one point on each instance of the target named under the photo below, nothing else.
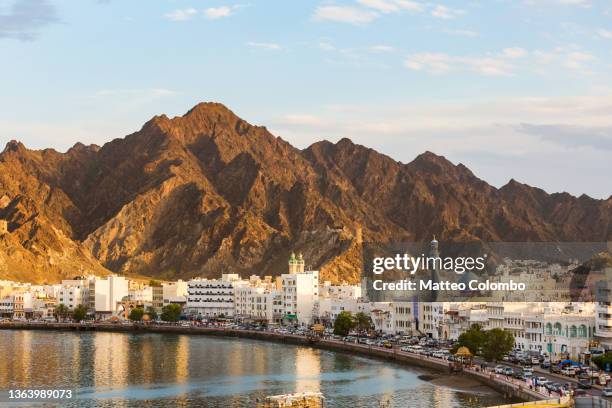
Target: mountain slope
(207, 193)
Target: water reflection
(115, 369)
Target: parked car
(579, 392)
(499, 369)
(545, 364)
(569, 371)
(542, 380)
(606, 392)
(555, 369)
(584, 384)
(508, 371)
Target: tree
(61, 311)
(497, 342)
(473, 339)
(343, 324)
(79, 313)
(152, 313)
(363, 321)
(603, 361)
(136, 314)
(171, 312)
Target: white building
(106, 294)
(6, 307)
(334, 299)
(141, 296)
(603, 314)
(558, 329)
(213, 297)
(259, 303)
(300, 292)
(74, 292)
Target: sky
(511, 88)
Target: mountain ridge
(207, 192)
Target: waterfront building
(173, 292)
(107, 294)
(603, 312)
(22, 305)
(261, 303)
(558, 329)
(300, 292)
(6, 307)
(393, 317)
(334, 299)
(143, 296)
(213, 298)
(74, 292)
(43, 307)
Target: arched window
(582, 331)
(558, 329)
(548, 328)
(573, 331)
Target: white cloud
(345, 14)
(182, 14)
(326, 46)
(463, 33)
(381, 48)
(530, 135)
(580, 3)
(508, 61)
(514, 52)
(391, 6)
(267, 46)
(603, 33)
(213, 13)
(444, 12)
(441, 63)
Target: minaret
(434, 252)
(292, 263)
(300, 263)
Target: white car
(542, 380)
(499, 369)
(607, 392)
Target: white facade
(6, 307)
(603, 314)
(174, 290)
(73, 293)
(141, 296)
(300, 295)
(213, 297)
(105, 294)
(560, 330)
(334, 299)
(259, 303)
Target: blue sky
(513, 89)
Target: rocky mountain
(207, 193)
